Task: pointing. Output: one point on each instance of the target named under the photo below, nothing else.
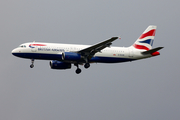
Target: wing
(89, 52)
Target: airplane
(62, 56)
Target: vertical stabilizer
(145, 41)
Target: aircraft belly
(40, 56)
(109, 59)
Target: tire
(31, 66)
(78, 71)
(87, 65)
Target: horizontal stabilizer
(152, 50)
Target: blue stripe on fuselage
(38, 56)
(59, 57)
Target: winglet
(116, 38)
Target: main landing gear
(78, 70)
(32, 63)
(87, 65)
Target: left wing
(89, 52)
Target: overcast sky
(147, 89)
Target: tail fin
(145, 41)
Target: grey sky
(140, 90)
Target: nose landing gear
(32, 63)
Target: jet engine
(71, 56)
(54, 64)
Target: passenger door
(131, 54)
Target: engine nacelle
(71, 56)
(54, 64)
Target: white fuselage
(62, 56)
(53, 51)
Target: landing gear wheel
(31, 66)
(87, 65)
(78, 70)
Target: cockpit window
(22, 46)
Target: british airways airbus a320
(63, 55)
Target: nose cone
(14, 52)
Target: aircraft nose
(14, 51)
